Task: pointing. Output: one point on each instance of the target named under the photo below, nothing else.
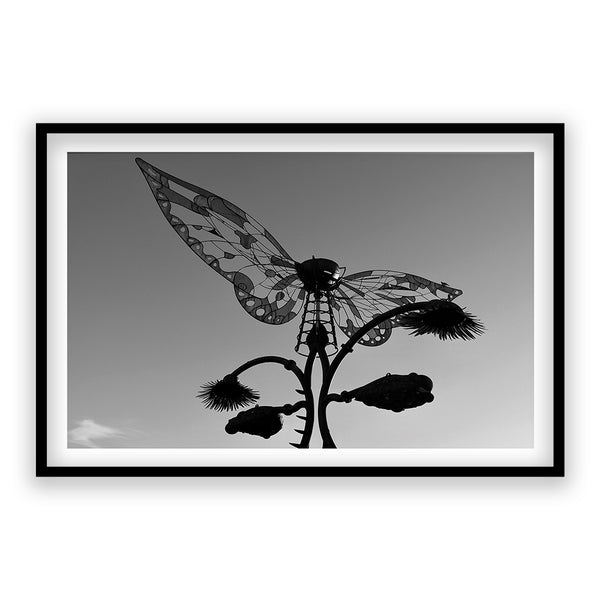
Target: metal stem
(310, 402)
(322, 406)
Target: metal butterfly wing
(362, 296)
(233, 244)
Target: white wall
(317, 61)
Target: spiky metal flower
(396, 392)
(444, 319)
(264, 421)
(227, 394)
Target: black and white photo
(318, 299)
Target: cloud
(88, 433)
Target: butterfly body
(319, 274)
(269, 284)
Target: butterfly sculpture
(268, 283)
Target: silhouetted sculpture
(273, 288)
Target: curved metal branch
(303, 378)
(353, 340)
(324, 397)
(289, 365)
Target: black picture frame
(556, 130)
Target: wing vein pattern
(233, 244)
(363, 296)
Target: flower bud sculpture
(444, 319)
(396, 392)
(264, 421)
(227, 394)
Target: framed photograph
(300, 299)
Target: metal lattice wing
(362, 296)
(233, 244)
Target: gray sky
(149, 322)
